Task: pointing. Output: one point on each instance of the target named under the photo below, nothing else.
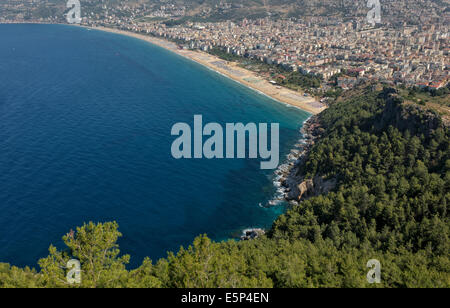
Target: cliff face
(414, 118)
(296, 186)
(300, 189)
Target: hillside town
(346, 50)
(412, 55)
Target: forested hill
(391, 161)
(392, 164)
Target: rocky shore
(251, 234)
(292, 186)
(290, 180)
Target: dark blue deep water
(85, 121)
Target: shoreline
(232, 71)
(286, 172)
(263, 87)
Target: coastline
(238, 74)
(232, 71)
(285, 176)
(298, 153)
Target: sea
(85, 135)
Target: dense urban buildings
(413, 55)
(409, 46)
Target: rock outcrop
(414, 118)
(251, 234)
(296, 187)
(306, 188)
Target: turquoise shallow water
(85, 121)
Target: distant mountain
(219, 10)
(237, 9)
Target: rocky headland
(293, 185)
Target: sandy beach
(233, 71)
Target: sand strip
(233, 71)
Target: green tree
(95, 246)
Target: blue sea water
(85, 122)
